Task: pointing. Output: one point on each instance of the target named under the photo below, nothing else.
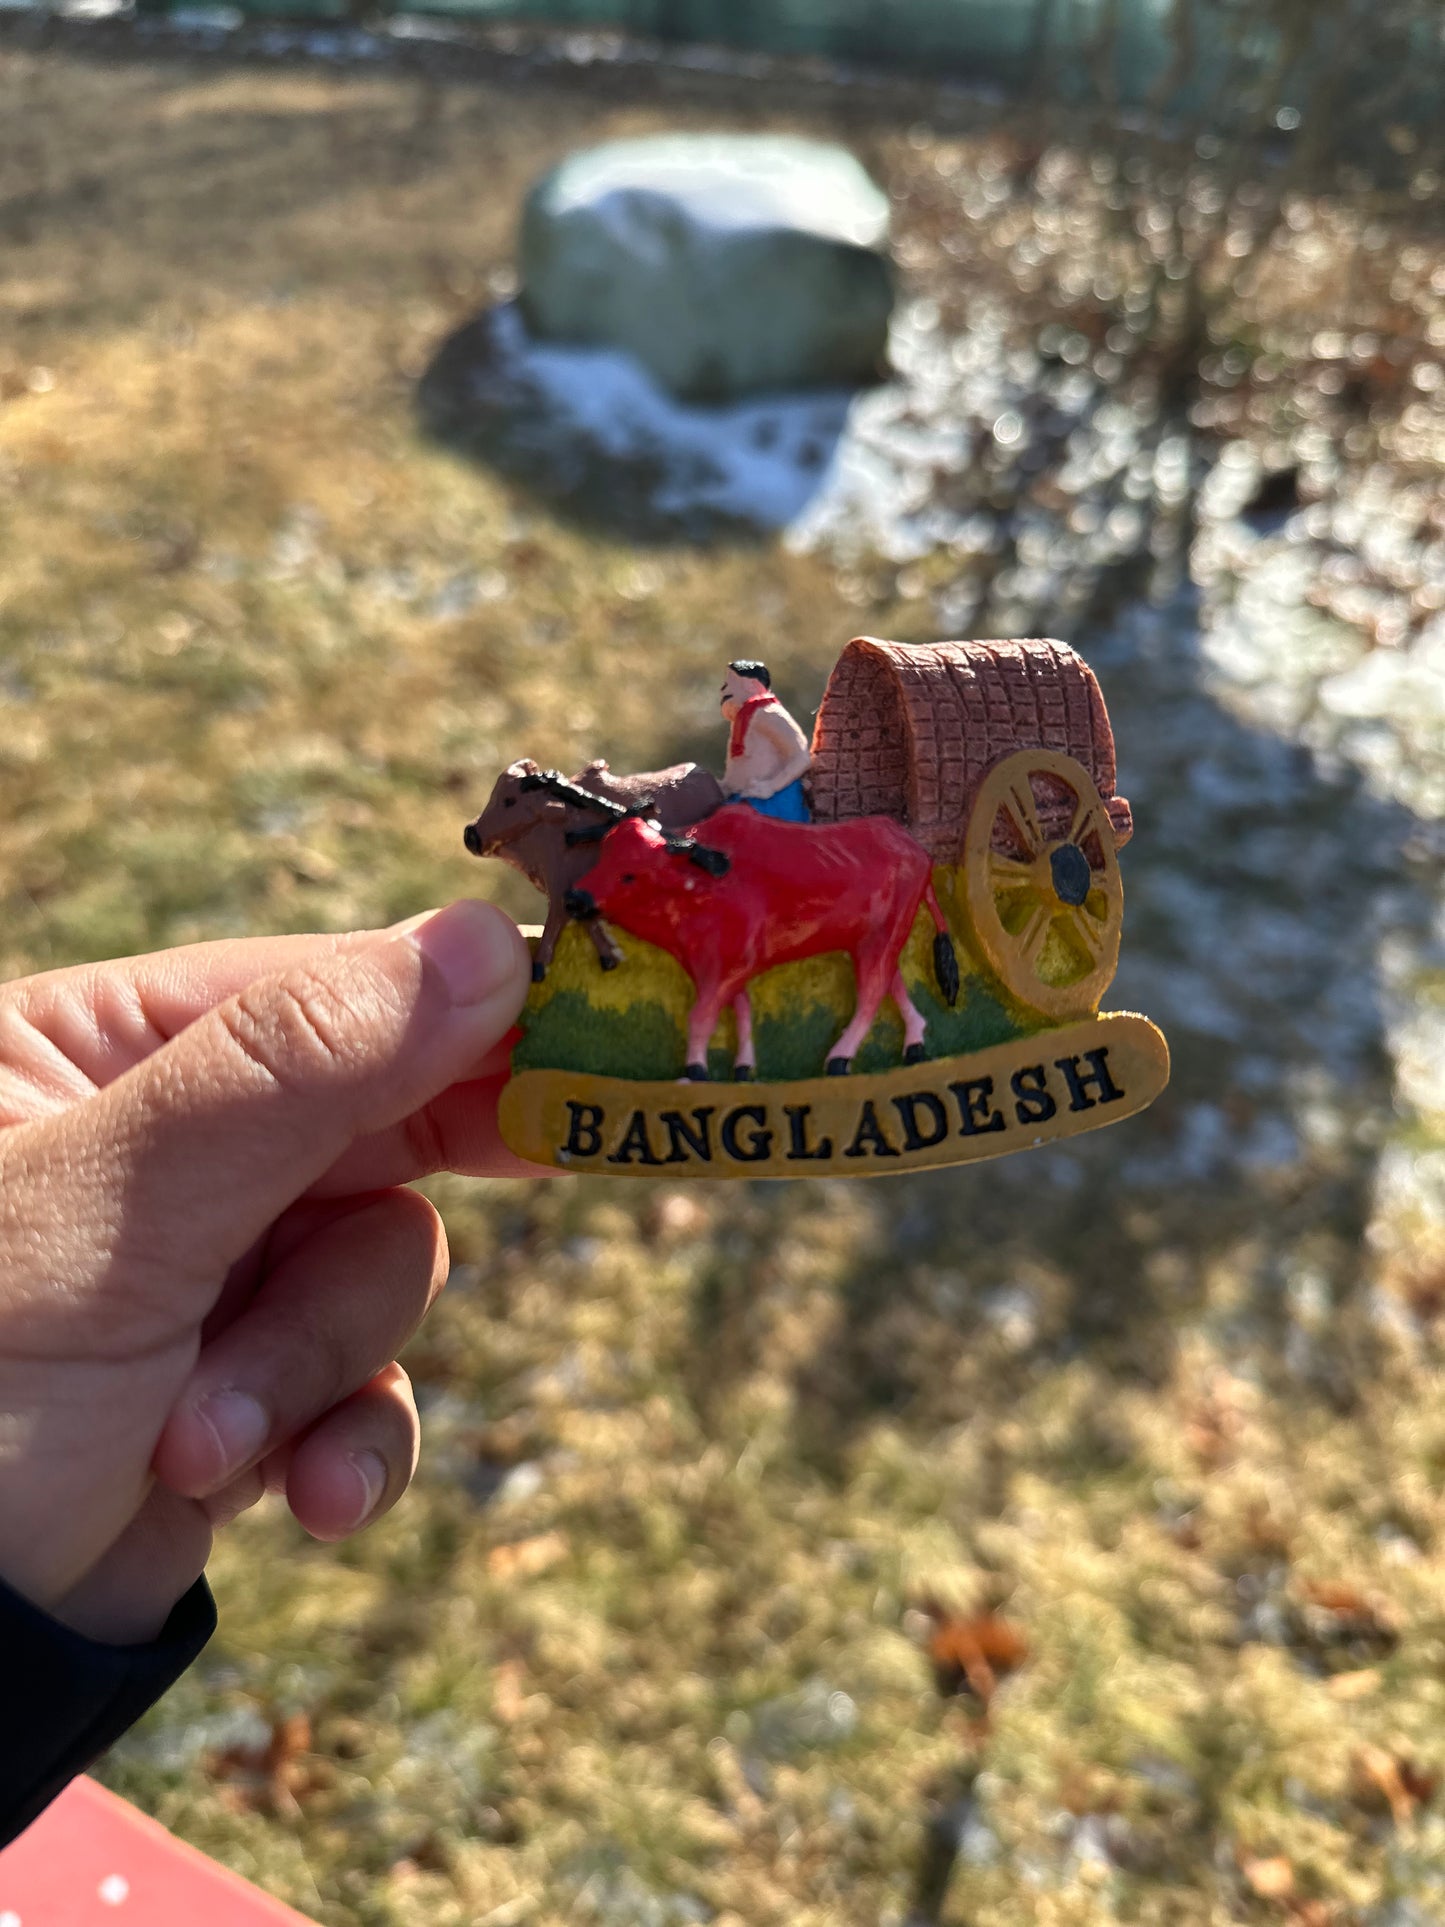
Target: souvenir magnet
(879, 951)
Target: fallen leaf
(1425, 1292)
(525, 1558)
(1183, 1529)
(1381, 1778)
(1354, 1686)
(508, 1698)
(1341, 1613)
(1271, 1877)
(276, 1776)
(1211, 1429)
(1267, 1533)
(1419, 1785)
(973, 1654)
(290, 1737)
(1334, 1597)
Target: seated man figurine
(768, 755)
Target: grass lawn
(648, 1642)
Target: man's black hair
(754, 671)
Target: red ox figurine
(761, 893)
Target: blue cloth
(788, 806)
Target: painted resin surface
(912, 978)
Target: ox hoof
(539, 972)
(839, 1066)
(696, 1073)
(915, 1054)
(743, 1073)
(609, 963)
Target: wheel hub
(1072, 877)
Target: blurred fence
(1373, 57)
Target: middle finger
(335, 1310)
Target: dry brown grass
(746, 1438)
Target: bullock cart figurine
(900, 965)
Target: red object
(91, 1860)
(742, 722)
(746, 893)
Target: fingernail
(370, 1470)
(238, 1426)
(474, 948)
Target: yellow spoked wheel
(1042, 883)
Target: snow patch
(726, 183)
(756, 461)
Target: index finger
(105, 1017)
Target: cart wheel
(1042, 883)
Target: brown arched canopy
(909, 730)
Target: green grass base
(632, 1022)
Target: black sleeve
(64, 1698)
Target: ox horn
(566, 791)
(715, 862)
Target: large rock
(728, 264)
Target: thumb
(190, 1157)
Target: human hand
(207, 1264)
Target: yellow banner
(953, 1110)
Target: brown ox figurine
(547, 826)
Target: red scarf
(742, 720)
